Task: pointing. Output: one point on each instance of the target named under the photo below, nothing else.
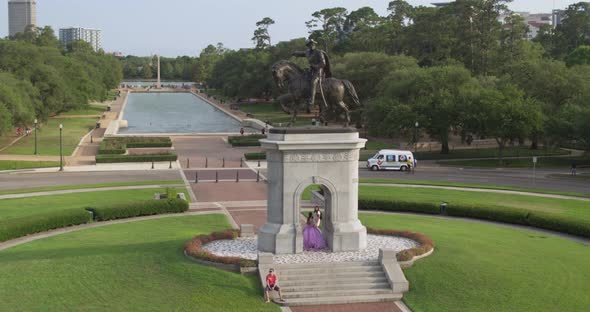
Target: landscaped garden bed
(194, 248)
(114, 149)
(245, 140)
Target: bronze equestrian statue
(303, 85)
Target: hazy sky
(184, 27)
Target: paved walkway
(468, 189)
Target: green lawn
(488, 153)
(577, 209)
(273, 113)
(48, 137)
(20, 207)
(136, 266)
(97, 110)
(15, 165)
(481, 267)
(542, 162)
(87, 186)
(481, 186)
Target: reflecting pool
(160, 112)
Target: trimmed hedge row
(542, 220)
(426, 243)
(255, 156)
(17, 227)
(119, 145)
(247, 140)
(108, 159)
(136, 209)
(194, 248)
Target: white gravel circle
(247, 248)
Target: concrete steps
(333, 283)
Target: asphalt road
(30, 180)
(503, 177)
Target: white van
(391, 160)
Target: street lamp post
(35, 136)
(416, 137)
(61, 162)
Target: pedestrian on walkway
(272, 283)
(409, 164)
(574, 168)
(241, 131)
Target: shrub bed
(255, 156)
(536, 219)
(107, 159)
(426, 243)
(17, 227)
(194, 248)
(119, 145)
(136, 209)
(245, 140)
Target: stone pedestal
(297, 158)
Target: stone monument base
(298, 158)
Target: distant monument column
(298, 158)
(158, 85)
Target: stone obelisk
(158, 85)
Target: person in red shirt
(272, 283)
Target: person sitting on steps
(272, 283)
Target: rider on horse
(319, 68)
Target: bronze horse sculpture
(333, 91)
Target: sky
(184, 27)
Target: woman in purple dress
(312, 236)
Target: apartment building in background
(21, 13)
(92, 36)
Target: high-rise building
(92, 36)
(21, 13)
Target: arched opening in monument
(316, 195)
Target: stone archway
(298, 157)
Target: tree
(574, 30)
(503, 113)
(580, 56)
(364, 17)
(261, 36)
(331, 26)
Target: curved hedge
(17, 227)
(136, 209)
(542, 220)
(194, 248)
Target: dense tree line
(455, 69)
(39, 78)
(181, 68)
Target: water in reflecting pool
(174, 113)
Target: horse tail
(352, 92)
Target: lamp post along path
(416, 137)
(61, 166)
(35, 136)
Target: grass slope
(48, 137)
(469, 185)
(87, 186)
(560, 207)
(20, 207)
(127, 267)
(16, 165)
(481, 267)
